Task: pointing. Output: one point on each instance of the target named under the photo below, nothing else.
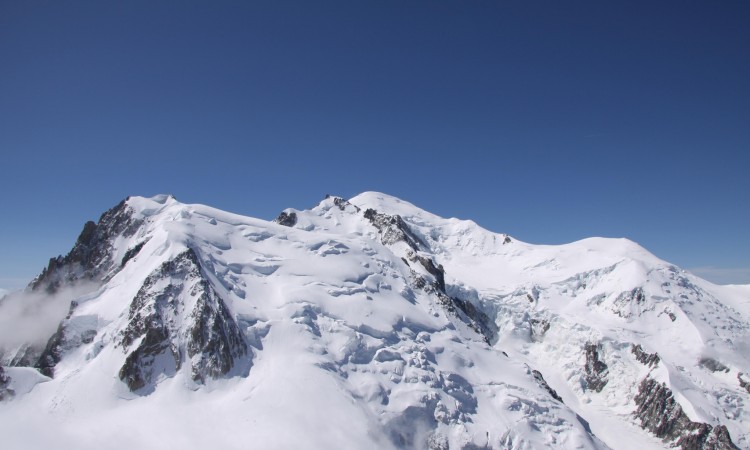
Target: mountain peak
(410, 330)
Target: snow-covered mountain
(366, 323)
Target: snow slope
(371, 323)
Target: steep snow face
(406, 329)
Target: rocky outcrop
(393, 229)
(178, 317)
(478, 320)
(596, 370)
(52, 353)
(55, 348)
(89, 262)
(540, 379)
(342, 204)
(537, 329)
(648, 359)
(5, 391)
(474, 317)
(91, 256)
(660, 414)
(24, 356)
(436, 271)
(288, 219)
(712, 365)
(630, 303)
(743, 383)
(214, 339)
(131, 253)
(153, 355)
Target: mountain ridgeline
(409, 330)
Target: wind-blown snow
(347, 351)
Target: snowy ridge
(409, 330)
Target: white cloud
(721, 275)
(32, 317)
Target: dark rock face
(288, 219)
(182, 319)
(743, 384)
(52, 353)
(538, 328)
(131, 253)
(215, 339)
(540, 379)
(393, 229)
(630, 303)
(56, 346)
(5, 391)
(713, 365)
(343, 204)
(660, 414)
(90, 260)
(27, 355)
(477, 320)
(432, 269)
(91, 256)
(596, 370)
(138, 369)
(648, 359)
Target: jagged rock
(743, 384)
(288, 219)
(52, 353)
(475, 318)
(215, 339)
(5, 391)
(660, 414)
(393, 229)
(91, 256)
(629, 303)
(649, 359)
(209, 336)
(90, 260)
(538, 328)
(596, 370)
(540, 379)
(436, 271)
(343, 204)
(25, 356)
(478, 320)
(139, 369)
(131, 252)
(713, 365)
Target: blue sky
(550, 121)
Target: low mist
(32, 317)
